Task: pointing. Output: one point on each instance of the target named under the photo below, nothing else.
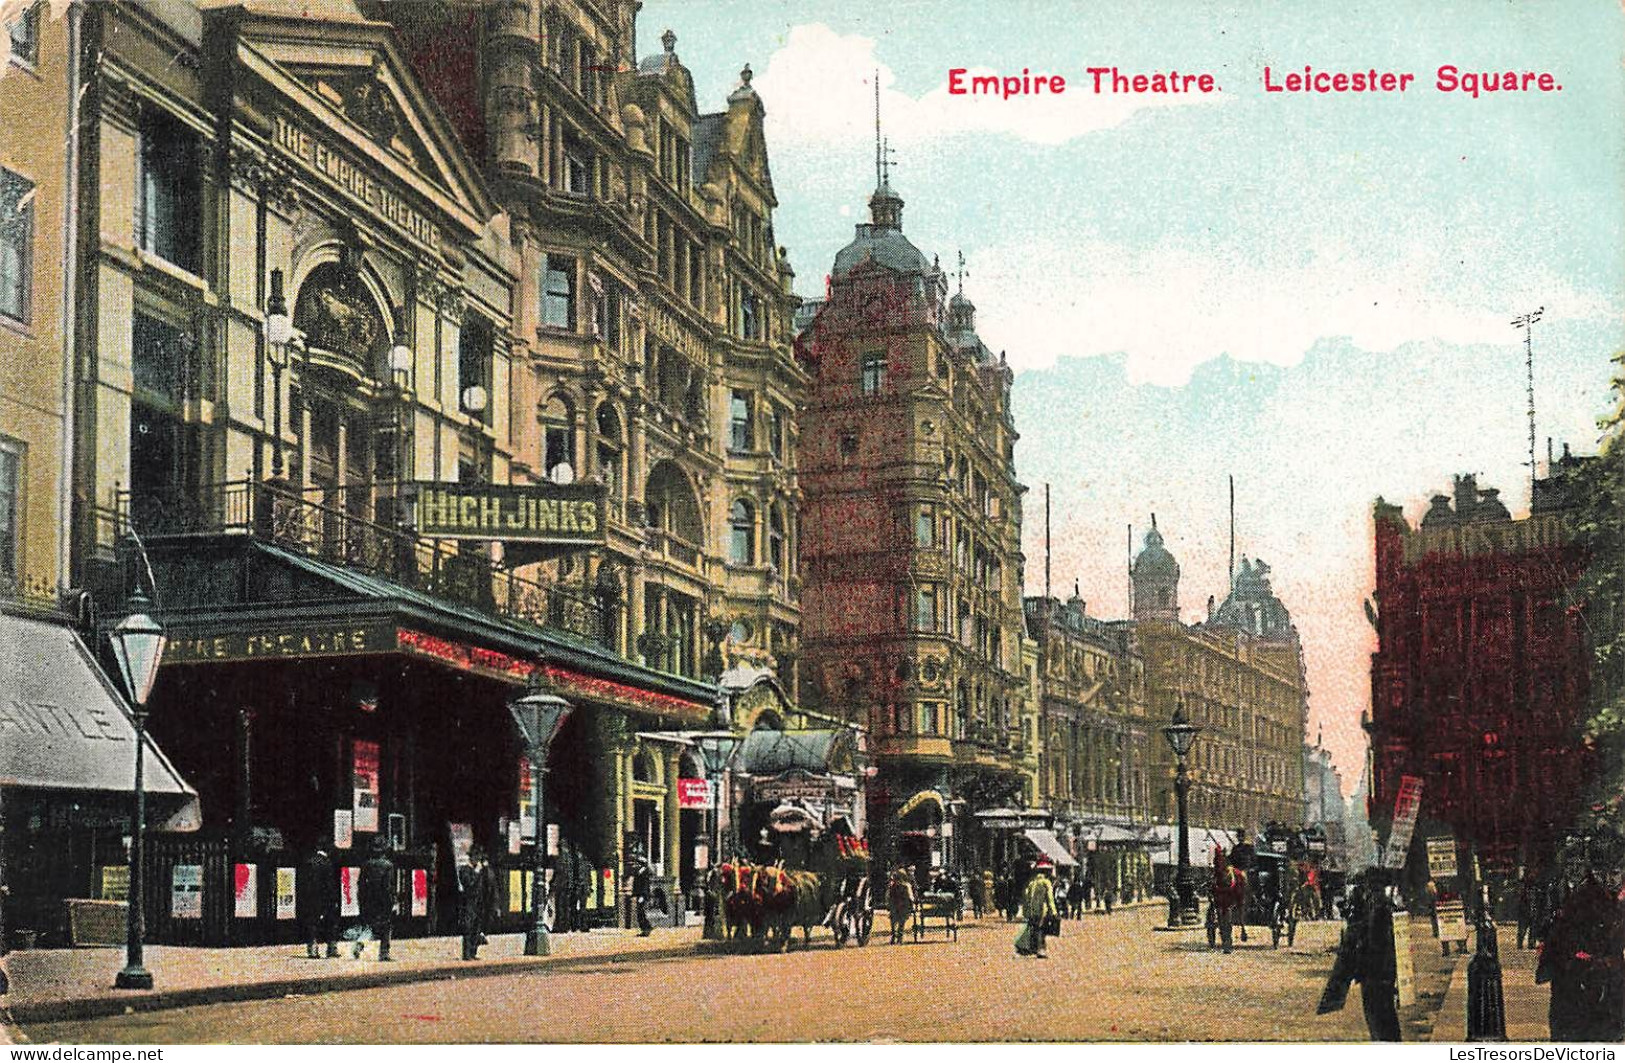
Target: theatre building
(296, 367)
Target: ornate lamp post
(717, 749)
(538, 713)
(138, 646)
(278, 333)
(1181, 735)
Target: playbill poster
(1107, 522)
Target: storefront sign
(116, 882)
(349, 891)
(694, 793)
(420, 891)
(1491, 537)
(287, 903)
(186, 891)
(245, 888)
(339, 169)
(532, 513)
(343, 828)
(312, 640)
(798, 786)
(1441, 857)
(365, 782)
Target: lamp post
(278, 332)
(1181, 735)
(717, 749)
(538, 713)
(138, 646)
(400, 371)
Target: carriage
(852, 917)
(944, 904)
(1263, 898)
(816, 876)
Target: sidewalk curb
(72, 1010)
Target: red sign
(693, 793)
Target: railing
(289, 518)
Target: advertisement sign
(420, 891)
(286, 893)
(518, 894)
(796, 785)
(552, 839)
(1406, 806)
(1452, 922)
(694, 793)
(462, 840)
(527, 801)
(1404, 966)
(186, 891)
(116, 882)
(532, 513)
(349, 891)
(202, 646)
(702, 856)
(1441, 857)
(514, 839)
(343, 828)
(365, 782)
(245, 880)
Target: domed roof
(888, 248)
(1154, 559)
(959, 302)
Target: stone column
(673, 857)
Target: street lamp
(400, 371)
(538, 713)
(138, 646)
(717, 749)
(1181, 735)
(278, 333)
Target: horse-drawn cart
(1260, 896)
(852, 917)
(944, 904)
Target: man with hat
(1037, 907)
(377, 897)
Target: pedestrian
(1366, 955)
(1528, 886)
(642, 884)
(1584, 960)
(377, 897)
(899, 901)
(1088, 891)
(989, 892)
(1486, 1003)
(585, 881)
(1037, 908)
(1076, 894)
(317, 897)
(473, 902)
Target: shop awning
(1049, 845)
(921, 800)
(769, 752)
(64, 727)
(1203, 840)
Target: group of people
(318, 904)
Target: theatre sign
(532, 513)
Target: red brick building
(1479, 681)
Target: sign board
(527, 800)
(702, 856)
(116, 882)
(1441, 857)
(1404, 966)
(349, 891)
(694, 793)
(552, 839)
(532, 513)
(186, 891)
(1406, 806)
(462, 840)
(343, 828)
(514, 839)
(287, 903)
(799, 786)
(516, 890)
(420, 891)
(1452, 921)
(278, 643)
(245, 880)
(365, 782)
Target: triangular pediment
(351, 77)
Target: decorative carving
(369, 104)
(336, 313)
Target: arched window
(742, 538)
(609, 447)
(643, 768)
(672, 506)
(558, 433)
(776, 538)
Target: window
(874, 373)
(749, 315)
(559, 292)
(925, 607)
(739, 424)
(558, 437)
(775, 537)
(775, 431)
(742, 541)
(474, 343)
(577, 169)
(25, 35)
(16, 245)
(171, 200)
(11, 460)
(925, 527)
(606, 314)
(158, 359)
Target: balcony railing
(296, 521)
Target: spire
(885, 206)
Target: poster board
(1452, 921)
(552, 839)
(116, 882)
(1404, 966)
(420, 892)
(1441, 857)
(527, 800)
(514, 839)
(365, 758)
(186, 891)
(343, 828)
(245, 879)
(349, 891)
(287, 903)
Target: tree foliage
(1600, 529)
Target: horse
(790, 899)
(899, 902)
(743, 901)
(1229, 900)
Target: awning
(768, 752)
(1203, 840)
(64, 727)
(920, 800)
(1049, 845)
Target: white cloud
(819, 90)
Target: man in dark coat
(581, 886)
(1584, 959)
(563, 896)
(377, 898)
(473, 902)
(642, 884)
(1366, 955)
(317, 893)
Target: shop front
(67, 777)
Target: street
(1108, 978)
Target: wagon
(945, 908)
(1267, 903)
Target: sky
(1312, 293)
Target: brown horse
(742, 901)
(790, 899)
(1229, 903)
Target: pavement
(1525, 1001)
(60, 985)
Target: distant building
(1481, 671)
(1323, 803)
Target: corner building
(912, 619)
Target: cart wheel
(842, 926)
(866, 925)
